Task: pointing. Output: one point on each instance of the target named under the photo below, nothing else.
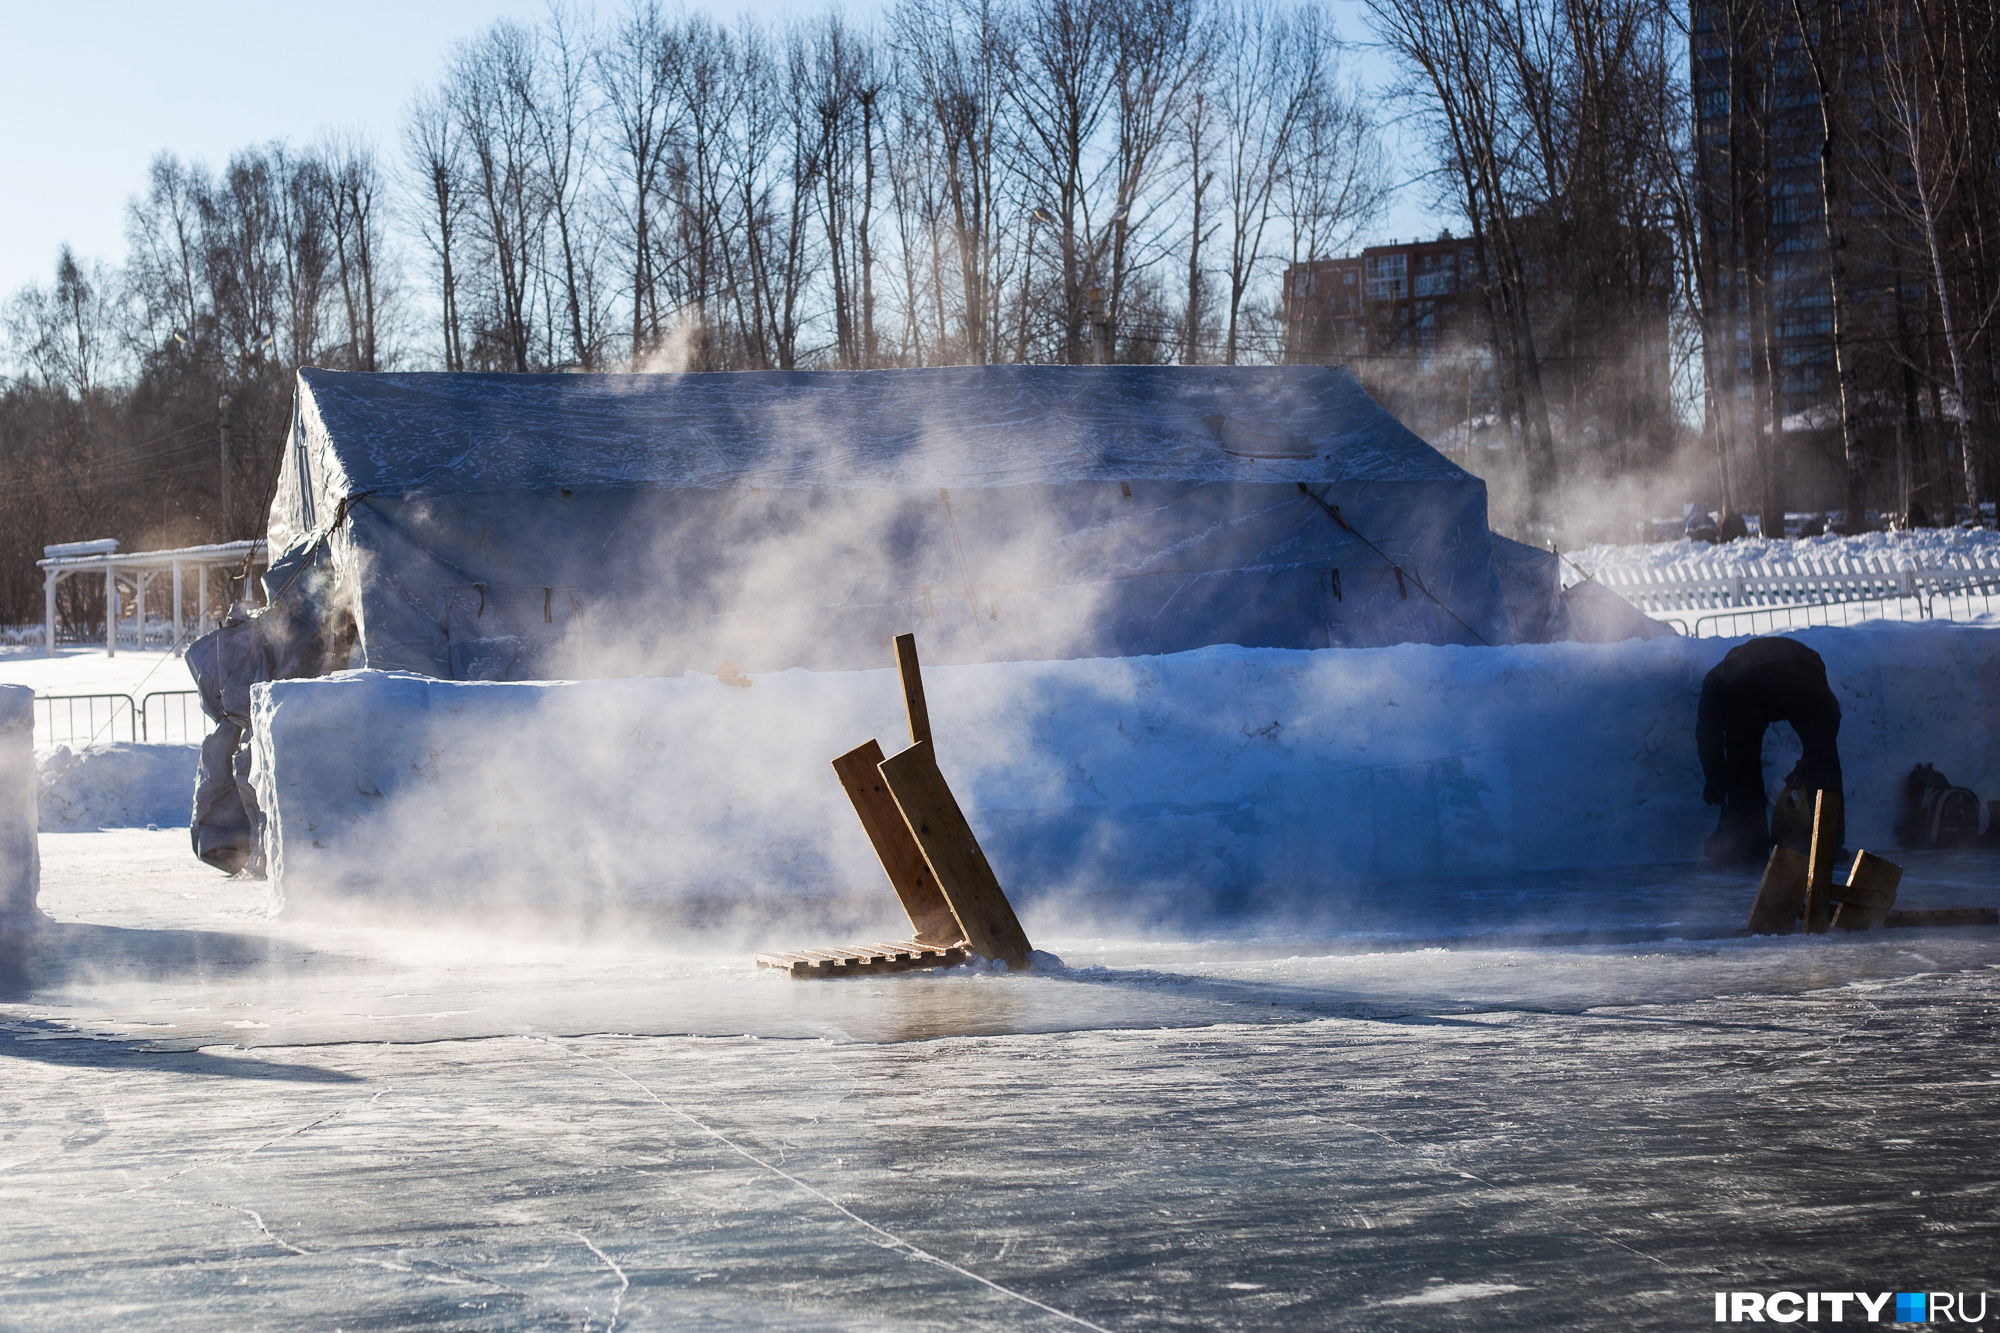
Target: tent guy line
(1334, 512)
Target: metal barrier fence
(1761, 597)
(76, 720)
(173, 717)
(57, 716)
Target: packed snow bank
(1174, 784)
(116, 786)
(20, 856)
(1918, 546)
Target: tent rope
(1333, 511)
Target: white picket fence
(1762, 596)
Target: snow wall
(20, 856)
(115, 786)
(1113, 789)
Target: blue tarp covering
(518, 527)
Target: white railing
(1760, 596)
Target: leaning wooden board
(912, 677)
(957, 864)
(1781, 895)
(1819, 873)
(902, 860)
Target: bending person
(1758, 683)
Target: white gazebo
(136, 570)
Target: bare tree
(1336, 182)
(551, 90)
(351, 181)
(163, 233)
(65, 334)
(1160, 54)
(637, 72)
(1197, 128)
(776, 181)
(1923, 161)
(1063, 82)
(912, 154)
(841, 87)
(499, 133)
(959, 53)
(432, 146)
(1270, 63)
(705, 179)
(1824, 38)
(1454, 58)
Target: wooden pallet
(956, 906)
(855, 960)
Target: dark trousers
(1744, 831)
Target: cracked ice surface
(1387, 1127)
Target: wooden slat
(960, 868)
(1819, 870)
(1869, 893)
(913, 688)
(902, 860)
(1781, 895)
(853, 960)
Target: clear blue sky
(90, 90)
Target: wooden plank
(987, 919)
(902, 860)
(1819, 870)
(1869, 893)
(1781, 895)
(913, 688)
(1943, 916)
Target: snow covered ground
(79, 670)
(115, 786)
(217, 1119)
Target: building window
(1388, 277)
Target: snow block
(20, 856)
(1113, 786)
(116, 786)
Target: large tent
(508, 527)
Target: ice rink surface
(1592, 1115)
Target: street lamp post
(257, 350)
(222, 407)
